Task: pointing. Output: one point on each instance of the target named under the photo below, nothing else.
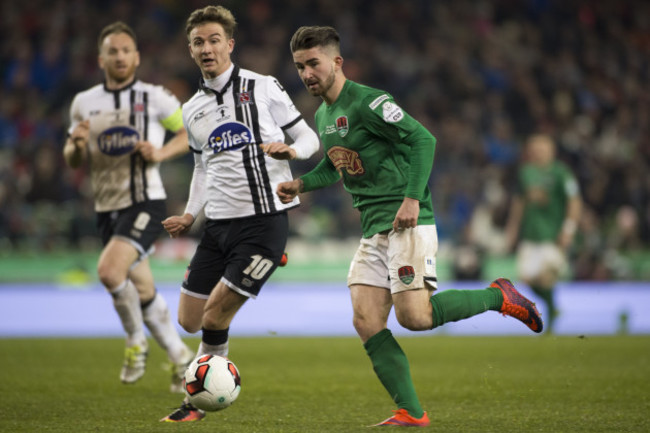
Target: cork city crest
(406, 274)
(346, 160)
(342, 126)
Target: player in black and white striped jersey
(236, 124)
(119, 127)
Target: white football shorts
(535, 258)
(397, 260)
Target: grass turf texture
(467, 384)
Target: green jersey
(382, 154)
(545, 191)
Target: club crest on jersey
(117, 140)
(244, 98)
(342, 126)
(230, 136)
(346, 160)
(406, 274)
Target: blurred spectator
(480, 75)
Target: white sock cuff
(120, 287)
(209, 349)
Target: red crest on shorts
(406, 274)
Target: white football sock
(127, 304)
(209, 349)
(158, 320)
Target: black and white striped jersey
(226, 127)
(118, 120)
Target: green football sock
(549, 300)
(454, 305)
(546, 295)
(392, 368)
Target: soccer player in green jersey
(543, 216)
(384, 157)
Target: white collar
(219, 81)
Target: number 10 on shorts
(259, 267)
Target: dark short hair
(114, 28)
(307, 37)
(212, 14)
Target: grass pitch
(467, 384)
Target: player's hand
(80, 134)
(407, 214)
(278, 150)
(510, 242)
(148, 151)
(287, 191)
(178, 224)
(564, 240)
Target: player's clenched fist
(178, 224)
(80, 134)
(287, 191)
(148, 151)
(278, 150)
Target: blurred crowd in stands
(480, 75)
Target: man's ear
(338, 62)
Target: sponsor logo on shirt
(117, 140)
(230, 136)
(346, 159)
(392, 112)
(374, 104)
(342, 126)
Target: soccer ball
(212, 382)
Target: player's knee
(189, 325)
(413, 321)
(359, 324)
(108, 277)
(366, 328)
(543, 280)
(548, 279)
(214, 321)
